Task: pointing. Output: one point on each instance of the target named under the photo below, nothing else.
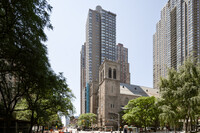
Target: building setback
(176, 37)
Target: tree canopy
(86, 120)
(180, 94)
(26, 76)
(141, 112)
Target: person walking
(125, 129)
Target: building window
(110, 73)
(114, 74)
(112, 105)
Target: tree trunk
(155, 126)
(174, 128)
(32, 119)
(186, 125)
(8, 122)
(38, 126)
(42, 129)
(191, 123)
(197, 124)
(145, 129)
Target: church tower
(108, 94)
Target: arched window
(114, 74)
(110, 73)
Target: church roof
(128, 89)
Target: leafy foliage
(141, 111)
(86, 120)
(43, 103)
(22, 54)
(180, 94)
(27, 82)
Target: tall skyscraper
(83, 78)
(100, 45)
(100, 40)
(122, 59)
(177, 36)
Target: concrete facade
(177, 36)
(94, 97)
(109, 91)
(100, 45)
(112, 95)
(82, 79)
(122, 59)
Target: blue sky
(136, 24)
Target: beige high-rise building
(176, 38)
(100, 45)
(122, 59)
(82, 79)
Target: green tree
(168, 102)
(180, 94)
(42, 103)
(86, 120)
(141, 111)
(25, 72)
(54, 121)
(22, 54)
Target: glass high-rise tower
(177, 36)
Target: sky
(135, 25)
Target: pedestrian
(125, 128)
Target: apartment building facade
(122, 59)
(100, 45)
(176, 37)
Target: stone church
(109, 96)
